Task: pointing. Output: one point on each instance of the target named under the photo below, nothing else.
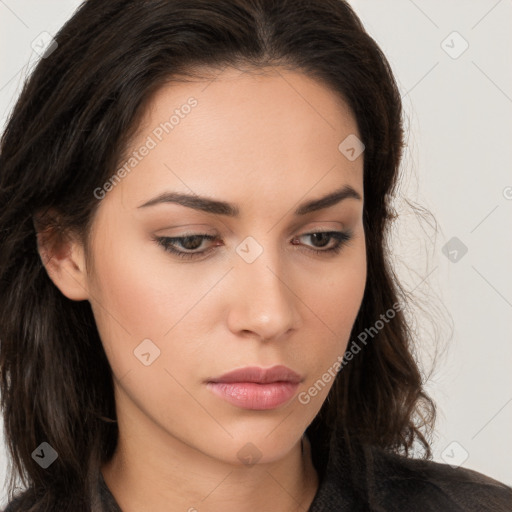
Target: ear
(63, 257)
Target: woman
(198, 310)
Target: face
(184, 293)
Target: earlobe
(63, 258)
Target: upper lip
(278, 373)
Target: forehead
(271, 127)
(267, 99)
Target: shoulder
(362, 477)
(30, 501)
(400, 482)
(14, 505)
(25, 500)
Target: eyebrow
(217, 207)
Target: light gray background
(457, 165)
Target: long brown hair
(64, 139)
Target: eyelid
(206, 230)
(212, 233)
(341, 239)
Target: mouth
(256, 388)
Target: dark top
(373, 480)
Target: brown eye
(186, 246)
(191, 242)
(188, 242)
(322, 239)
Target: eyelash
(341, 237)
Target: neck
(141, 478)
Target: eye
(190, 243)
(322, 238)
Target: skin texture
(267, 142)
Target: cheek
(334, 298)
(132, 295)
(139, 295)
(132, 300)
(335, 294)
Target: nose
(263, 302)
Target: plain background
(458, 104)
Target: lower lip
(250, 395)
